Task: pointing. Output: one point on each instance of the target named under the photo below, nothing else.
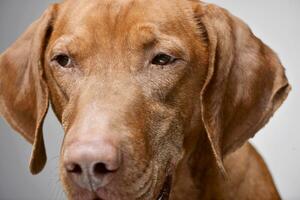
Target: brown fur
(191, 119)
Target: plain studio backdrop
(276, 22)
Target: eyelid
(170, 51)
(173, 47)
(58, 53)
(60, 46)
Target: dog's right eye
(63, 60)
(162, 59)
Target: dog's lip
(98, 198)
(166, 189)
(163, 195)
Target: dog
(157, 98)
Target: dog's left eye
(162, 59)
(63, 60)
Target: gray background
(276, 22)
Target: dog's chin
(102, 194)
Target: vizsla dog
(157, 99)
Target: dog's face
(133, 84)
(120, 74)
(121, 81)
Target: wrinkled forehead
(111, 22)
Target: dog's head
(131, 82)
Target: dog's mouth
(164, 193)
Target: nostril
(100, 169)
(74, 168)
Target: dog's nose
(92, 165)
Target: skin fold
(189, 119)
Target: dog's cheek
(166, 134)
(176, 138)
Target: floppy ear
(245, 85)
(23, 90)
